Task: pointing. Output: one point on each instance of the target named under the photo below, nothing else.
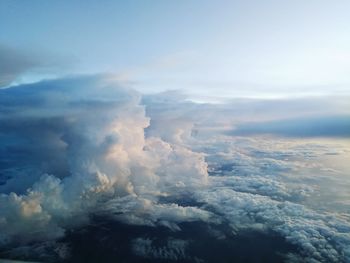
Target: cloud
(321, 237)
(16, 63)
(141, 211)
(13, 63)
(251, 192)
(85, 146)
(95, 128)
(173, 113)
(174, 249)
(331, 126)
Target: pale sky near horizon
(204, 48)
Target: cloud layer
(331, 126)
(80, 147)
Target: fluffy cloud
(321, 237)
(96, 130)
(85, 146)
(272, 184)
(141, 211)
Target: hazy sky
(206, 48)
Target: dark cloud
(14, 63)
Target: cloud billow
(95, 130)
(80, 147)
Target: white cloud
(85, 146)
(99, 133)
(141, 211)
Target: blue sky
(205, 48)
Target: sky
(207, 49)
(105, 152)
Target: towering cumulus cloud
(86, 153)
(69, 146)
